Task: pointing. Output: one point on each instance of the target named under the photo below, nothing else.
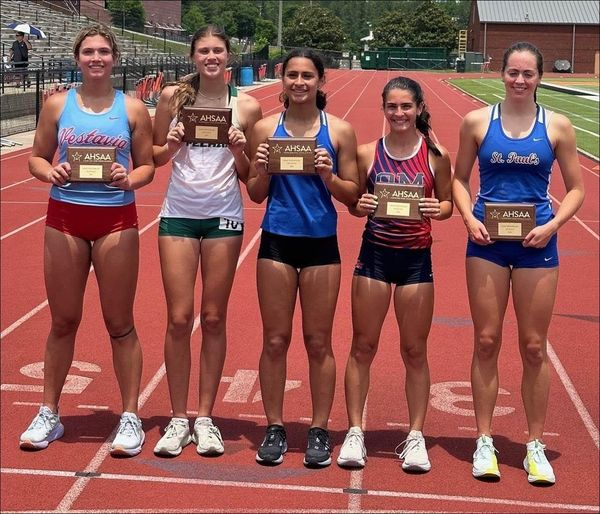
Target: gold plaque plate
(508, 221)
(91, 163)
(206, 125)
(398, 201)
(292, 155)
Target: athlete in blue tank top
(299, 254)
(301, 205)
(516, 143)
(92, 225)
(516, 169)
(77, 127)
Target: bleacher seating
(61, 30)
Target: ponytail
(424, 126)
(185, 94)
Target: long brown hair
(423, 120)
(188, 86)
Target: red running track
(77, 474)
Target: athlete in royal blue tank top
(92, 224)
(298, 251)
(516, 143)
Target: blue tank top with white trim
(77, 127)
(516, 169)
(301, 205)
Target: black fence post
(124, 79)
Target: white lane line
(231, 511)
(585, 416)
(578, 220)
(16, 183)
(23, 227)
(252, 416)
(77, 488)
(356, 475)
(44, 304)
(304, 488)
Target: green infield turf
(583, 112)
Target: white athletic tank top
(204, 183)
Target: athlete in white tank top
(204, 182)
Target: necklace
(211, 97)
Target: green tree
(127, 13)
(431, 26)
(246, 16)
(192, 19)
(226, 20)
(266, 33)
(314, 27)
(391, 29)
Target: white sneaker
(176, 438)
(353, 453)
(485, 464)
(414, 453)
(539, 470)
(207, 437)
(130, 436)
(45, 428)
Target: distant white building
(366, 40)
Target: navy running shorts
(400, 266)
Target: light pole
(279, 23)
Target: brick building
(567, 30)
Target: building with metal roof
(562, 30)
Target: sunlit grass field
(583, 113)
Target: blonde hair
(96, 29)
(188, 86)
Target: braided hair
(422, 121)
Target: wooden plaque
(509, 221)
(292, 155)
(91, 163)
(398, 201)
(206, 125)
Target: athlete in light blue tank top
(77, 127)
(298, 205)
(516, 169)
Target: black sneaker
(318, 450)
(273, 447)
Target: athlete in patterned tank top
(416, 170)
(395, 259)
(201, 223)
(516, 143)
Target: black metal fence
(23, 90)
